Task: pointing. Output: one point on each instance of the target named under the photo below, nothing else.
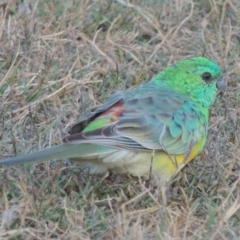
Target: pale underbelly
(136, 163)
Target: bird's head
(198, 78)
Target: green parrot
(159, 126)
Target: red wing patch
(115, 111)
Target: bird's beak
(221, 84)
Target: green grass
(58, 59)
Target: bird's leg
(128, 174)
(150, 179)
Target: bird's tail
(62, 151)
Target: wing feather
(151, 118)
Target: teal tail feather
(77, 151)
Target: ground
(58, 59)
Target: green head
(198, 78)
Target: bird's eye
(207, 76)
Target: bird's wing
(144, 118)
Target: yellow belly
(168, 165)
(141, 163)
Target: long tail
(62, 151)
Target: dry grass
(60, 58)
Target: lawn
(58, 60)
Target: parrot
(157, 127)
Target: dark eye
(207, 76)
